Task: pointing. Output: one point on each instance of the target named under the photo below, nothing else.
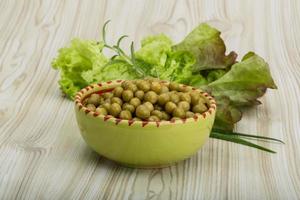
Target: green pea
(165, 115)
(136, 119)
(125, 114)
(202, 99)
(185, 97)
(143, 85)
(155, 87)
(142, 112)
(195, 96)
(94, 99)
(156, 113)
(164, 89)
(129, 107)
(135, 102)
(189, 114)
(183, 88)
(163, 98)
(169, 107)
(139, 94)
(107, 95)
(184, 105)
(178, 112)
(118, 91)
(151, 97)
(117, 100)
(174, 98)
(115, 109)
(131, 87)
(101, 111)
(106, 105)
(199, 108)
(173, 86)
(135, 81)
(125, 84)
(153, 118)
(127, 95)
(149, 106)
(107, 100)
(101, 100)
(91, 107)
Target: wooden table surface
(42, 155)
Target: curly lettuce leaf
(154, 49)
(154, 53)
(157, 55)
(74, 60)
(205, 43)
(116, 69)
(179, 67)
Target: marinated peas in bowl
(144, 123)
(148, 100)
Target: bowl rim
(80, 95)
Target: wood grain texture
(42, 155)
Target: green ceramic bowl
(141, 143)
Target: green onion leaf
(236, 139)
(262, 138)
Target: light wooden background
(42, 155)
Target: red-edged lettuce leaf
(227, 115)
(244, 82)
(241, 86)
(205, 43)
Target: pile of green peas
(149, 100)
